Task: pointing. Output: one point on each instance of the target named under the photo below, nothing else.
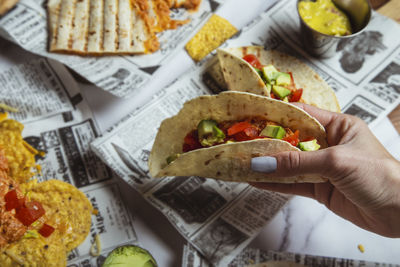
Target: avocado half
(129, 256)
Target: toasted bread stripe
(81, 22)
(65, 26)
(142, 31)
(139, 31)
(125, 25)
(95, 42)
(110, 25)
(54, 7)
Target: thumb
(292, 163)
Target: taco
(275, 74)
(216, 137)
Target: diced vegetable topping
(191, 142)
(309, 145)
(245, 130)
(46, 230)
(253, 60)
(12, 200)
(272, 77)
(238, 127)
(29, 212)
(293, 139)
(283, 79)
(273, 131)
(31, 234)
(209, 134)
(270, 73)
(280, 91)
(296, 95)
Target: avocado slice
(129, 256)
(273, 131)
(270, 73)
(309, 145)
(209, 133)
(280, 91)
(283, 79)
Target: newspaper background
(64, 128)
(123, 76)
(253, 256)
(125, 149)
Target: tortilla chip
(20, 155)
(240, 76)
(231, 161)
(6, 5)
(216, 31)
(67, 209)
(35, 252)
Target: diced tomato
(249, 133)
(296, 95)
(241, 136)
(293, 139)
(46, 230)
(253, 60)
(190, 139)
(191, 142)
(273, 96)
(29, 212)
(12, 200)
(238, 127)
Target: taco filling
(211, 133)
(280, 85)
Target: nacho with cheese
(20, 155)
(40, 223)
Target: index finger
(323, 116)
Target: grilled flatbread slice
(111, 26)
(99, 27)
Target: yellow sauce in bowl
(323, 16)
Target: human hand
(364, 179)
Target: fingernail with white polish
(263, 164)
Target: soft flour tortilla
(229, 162)
(240, 76)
